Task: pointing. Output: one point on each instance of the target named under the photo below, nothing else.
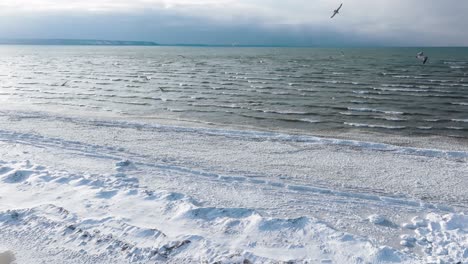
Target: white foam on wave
(455, 128)
(363, 109)
(401, 90)
(285, 112)
(432, 120)
(361, 92)
(373, 126)
(390, 118)
(460, 120)
(455, 62)
(308, 120)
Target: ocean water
(311, 90)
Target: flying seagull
(65, 83)
(422, 57)
(337, 11)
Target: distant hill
(85, 42)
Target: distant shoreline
(97, 42)
(76, 42)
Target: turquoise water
(306, 89)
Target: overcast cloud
(292, 22)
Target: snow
(65, 211)
(377, 219)
(444, 237)
(75, 189)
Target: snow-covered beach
(229, 155)
(76, 188)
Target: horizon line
(104, 42)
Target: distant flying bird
(422, 57)
(337, 11)
(65, 83)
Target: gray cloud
(295, 22)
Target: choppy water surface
(384, 90)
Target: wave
(372, 110)
(348, 114)
(390, 118)
(129, 103)
(432, 120)
(441, 81)
(282, 112)
(309, 120)
(373, 126)
(176, 110)
(232, 106)
(460, 120)
(455, 62)
(401, 90)
(358, 102)
(361, 92)
(456, 128)
(261, 82)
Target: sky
(243, 22)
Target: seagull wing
(334, 14)
(339, 7)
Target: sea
(306, 90)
